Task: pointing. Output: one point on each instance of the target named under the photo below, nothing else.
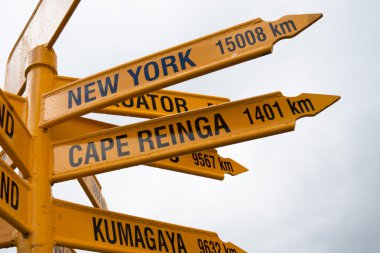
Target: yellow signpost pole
(39, 75)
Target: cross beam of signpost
(204, 55)
(187, 132)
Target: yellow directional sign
(93, 190)
(52, 16)
(156, 103)
(216, 51)
(7, 234)
(93, 229)
(205, 163)
(187, 132)
(14, 199)
(202, 163)
(14, 136)
(20, 104)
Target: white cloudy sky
(313, 190)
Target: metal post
(40, 73)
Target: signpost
(47, 152)
(93, 229)
(14, 199)
(198, 57)
(44, 27)
(93, 190)
(205, 163)
(15, 138)
(156, 103)
(187, 132)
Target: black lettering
(153, 99)
(97, 231)
(207, 127)
(160, 136)
(2, 116)
(14, 196)
(221, 164)
(108, 86)
(285, 27)
(275, 30)
(180, 103)
(161, 241)
(181, 244)
(138, 237)
(142, 101)
(120, 145)
(305, 105)
(185, 59)
(114, 239)
(91, 153)
(77, 99)
(9, 125)
(168, 107)
(149, 240)
(166, 64)
(293, 107)
(172, 134)
(188, 131)
(148, 139)
(155, 69)
(126, 104)
(104, 147)
(135, 75)
(171, 239)
(71, 156)
(4, 187)
(87, 92)
(220, 124)
(125, 235)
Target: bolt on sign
(198, 57)
(183, 133)
(94, 229)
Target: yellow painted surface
(205, 163)
(231, 46)
(7, 234)
(156, 103)
(15, 138)
(183, 133)
(93, 190)
(98, 230)
(20, 104)
(52, 16)
(14, 199)
(202, 163)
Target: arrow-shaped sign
(14, 199)
(183, 133)
(204, 55)
(205, 163)
(94, 229)
(52, 16)
(156, 103)
(93, 190)
(15, 138)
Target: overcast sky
(313, 190)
